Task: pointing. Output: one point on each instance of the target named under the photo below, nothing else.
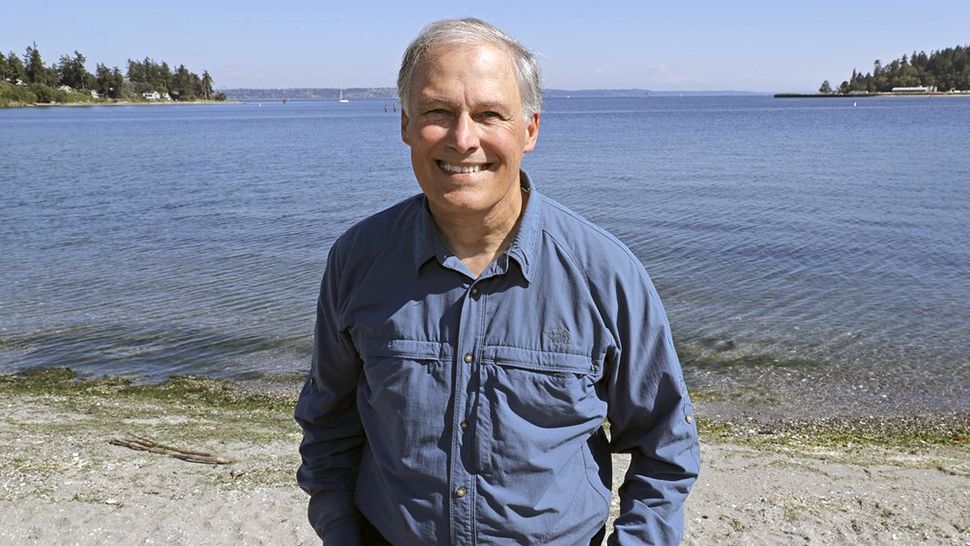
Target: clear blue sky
(678, 45)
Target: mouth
(451, 168)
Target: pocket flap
(538, 360)
(401, 348)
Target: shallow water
(793, 240)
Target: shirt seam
(373, 259)
(598, 230)
(587, 355)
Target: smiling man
(471, 341)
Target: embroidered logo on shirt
(558, 335)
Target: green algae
(183, 391)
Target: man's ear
(404, 127)
(532, 133)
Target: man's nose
(464, 134)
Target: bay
(813, 247)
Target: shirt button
(463, 425)
(474, 290)
(461, 492)
(469, 358)
(690, 418)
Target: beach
(876, 480)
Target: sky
(664, 46)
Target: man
(471, 341)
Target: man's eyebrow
(492, 105)
(426, 99)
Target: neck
(477, 239)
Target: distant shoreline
(863, 96)
(113, 103)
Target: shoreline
(113, 103)
(828, 481)
(62, 480)
(863, 96)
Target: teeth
(459, 169)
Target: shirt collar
(427, 242)
(524, 248)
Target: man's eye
(437, 111)
(490, 114)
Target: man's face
(466, 129)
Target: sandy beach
(860, 481)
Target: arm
(651, 418)
(327, 411)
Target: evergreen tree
(71, 71)
(34, 65)
(826, 87)
(206, 85)
(182, 84)
(166, 75)
(110, 82)
(15, 68)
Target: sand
(62, 482)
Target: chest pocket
(401, 377)
(546, 389)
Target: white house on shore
(920, 89)
(152, 95)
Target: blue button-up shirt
(450, 409)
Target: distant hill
(311, 93)
(390, 93)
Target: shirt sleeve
(651, 418)
(333, 437)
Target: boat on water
(341, 97)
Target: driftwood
(140, 443)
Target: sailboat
(341, 97)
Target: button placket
(461, 475)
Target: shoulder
(593, 248)
(365, 239)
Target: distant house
(152, 96)
(66, 88)
(166, 96)
(95, 94)
(920, 89)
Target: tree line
(947, 70)
(27, 79)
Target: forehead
(466, 68)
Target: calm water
(798, 242)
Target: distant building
(95, 94)
(166, 96)
(152, 96)
(66, 88)
(920, 89)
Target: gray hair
(472, 31)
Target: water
(798, 244)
